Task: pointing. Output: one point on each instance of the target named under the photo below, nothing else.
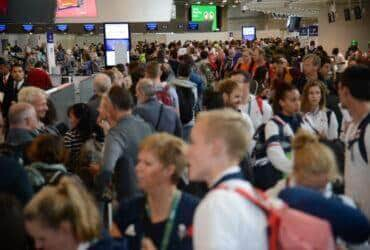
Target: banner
(76, 8)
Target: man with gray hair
(161, 117)
(101, 83)
(22, 122)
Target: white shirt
(251, 108)
(275, 151)
(18, 85)
(320, 122)
(357, 171)
(226, 220)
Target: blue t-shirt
(132, 213)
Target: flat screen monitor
(293, 23)
(249, 33)
(27, 27)
(89, 27)
(193, 26)
(151, 26)
(117, 36)
(76, 8)
(303, 31)
(2, 27)
(62, 27)
(205, 13)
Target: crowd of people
(196, 145)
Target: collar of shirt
(6, 77)
(84, 246)
(18, 85)
(231, 170)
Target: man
(101, 84)
(256, 108)
(224, 219)
(38, 77)
(13, 87)
(311, 66)
(354, 94)
(22, 124)
(161, 117)
(185, 94)
(5, 75)
(259, 61)
(232, 96)
(121, 143)
(38, 99)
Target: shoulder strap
(159, 116)
(280, 123)
(328, 116)
(361, 141)
(260, 103)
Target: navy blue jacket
(133, 212)
(348, 223)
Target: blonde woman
(64, 217)
(162, 219)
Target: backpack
(186, 103)
(164, 97)
(361, 139)
(42, 174)
(290, 228)
(265, 175)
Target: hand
(104, 124)
(147, 244)
(94, 168)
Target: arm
(111, 153)
(178, 127)
(275, 152)
(333, 127)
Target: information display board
(117, 43)
(204, 13)
(249, 33)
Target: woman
(163, 217)
(324, 121)
(81, 127)
(245, 63)
(275, 159)
(64, 217)
(48, 158)
(315, 168)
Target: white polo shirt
(226, 220)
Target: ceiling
(303, 8)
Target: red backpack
(164, 97)
(290, 229)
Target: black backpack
(186, 103)
(265, 175)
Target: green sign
(202, 13)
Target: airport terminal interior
(184, 124)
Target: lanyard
(170, 222)
(249, 106)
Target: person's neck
(358, 110)
(20, 126)
(218, 170)
(314, 108)
(284, 113)
(159, 201)
(122, 114)
(246, 98)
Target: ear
(281, 102)
(170, 171)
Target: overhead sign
(76, 8)
(117, 43)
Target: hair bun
(304, 138)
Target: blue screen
(303, 31)
(2, 27)
(110, 44)
(62, 27)
(313, 30)
(27, 27)
(151, 26)
(193, 26)
(89, 27)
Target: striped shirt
(73, 141)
